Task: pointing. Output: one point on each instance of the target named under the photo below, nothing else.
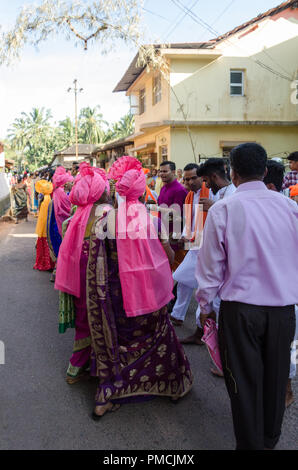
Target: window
(226, 151)
(236, 83)
(163, 150)
(134, 105)
(156, 89)
(142, 100)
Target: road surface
(39, 410)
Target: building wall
(203, 88)
(155, 112)
(160, 137)
(278, 141)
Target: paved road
(38, 410)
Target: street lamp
(76, 91)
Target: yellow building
(239, 87)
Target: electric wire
(202, 23)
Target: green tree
(65, 133)
(125, 126)
(121, 129)
(90, 126)
(33, 138)
(17, 139)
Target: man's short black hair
(212, 165)
(293, 156)
(275, 174)
(172, 165)
(192, 166)
(249, 160)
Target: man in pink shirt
(171, 201)
(241, 260)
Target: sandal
(112, 408)
(78, 378)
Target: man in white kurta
(213, 173)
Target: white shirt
(224, 192)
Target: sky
(42, 77)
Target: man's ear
(266, 173)
(271, 186)
(234, 177)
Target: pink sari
(62, 204)
(87, 190)
(144, 270)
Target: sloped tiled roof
(272, 12)
(134, 71)
(83, 150)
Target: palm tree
(90, 126)
(31, 135)
(124, 127)
(17, 134)
(66, 133)
(18, 138)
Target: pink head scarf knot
(103, 174)
(61, 176)
(144, 269)
(122, 165)
(132, 185)
(87, 190)
(62, 204)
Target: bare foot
(195, 338)
(176, 322)
(100, 410)
(216, 372)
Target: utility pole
(76, 91)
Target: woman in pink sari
(59, 210)
(61, 201)
(125, 284)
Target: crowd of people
(127, 249)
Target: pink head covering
(144, 270)
(103, 174)
(122, 165)
(61, 176)
(62, 204)
(87, 190)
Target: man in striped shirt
(291, 178)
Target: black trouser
(254, 345)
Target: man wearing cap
(294, 193)
(291, 178)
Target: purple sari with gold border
(132, 357)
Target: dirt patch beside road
(5, 226)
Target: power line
(156, 14)
(201, 22)
(180, 19)
(220, 15)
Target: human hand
(207, 203)
(205, 316)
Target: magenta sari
(82, 344)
